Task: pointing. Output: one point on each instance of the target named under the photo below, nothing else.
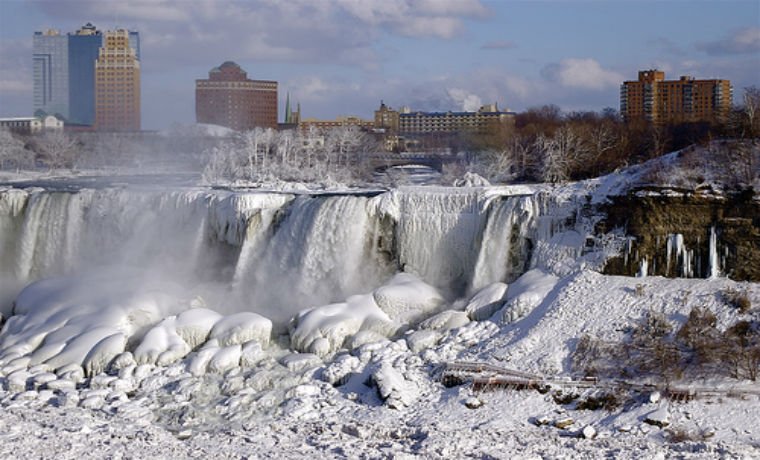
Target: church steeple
(288, 114)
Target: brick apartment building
(656, 100)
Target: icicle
(643, 266)
(714, 269)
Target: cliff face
(686, 234)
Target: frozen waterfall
(268, 252)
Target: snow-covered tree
(58, 149)
(12, 152)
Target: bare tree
(752, 111)
(560, 154)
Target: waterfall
(504, 251)
(320, 252)
(274, 253)
(438, 235)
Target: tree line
(545, 145)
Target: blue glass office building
(83, 51)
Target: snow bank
(88, 320)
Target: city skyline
(342, 57)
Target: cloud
(420, 18)
(342, 32)
(499, 45)
(466, 101)
(743, 41)
(582, 74)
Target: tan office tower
(117, 84)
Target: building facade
(50, 73)
(229, 98)
(407, 122)
(84, 46)
(653, 99)
(31, 125)
(117, 84)
(339, 122)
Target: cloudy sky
(341, 57)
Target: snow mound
(73, 319)
(242, 327)
(88, 321)
(403, 300)
(486, 302)
(407, 299)
(324, 329)
(526, 293)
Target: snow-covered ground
(291, 405)
(311, 325)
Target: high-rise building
(84, 46)
(656, 100)
(228, 98)
(117, 84)
(65, 77)
(50, 60)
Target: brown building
(117, 84)
(228, 98)
(656, 100)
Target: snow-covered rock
(486, 302)
(392, 387)
(242, 327)
(422, 339)
(659, 417)
(445, 321)
(526, 293)
(406, 299)
(225, 359)
(103, 353)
